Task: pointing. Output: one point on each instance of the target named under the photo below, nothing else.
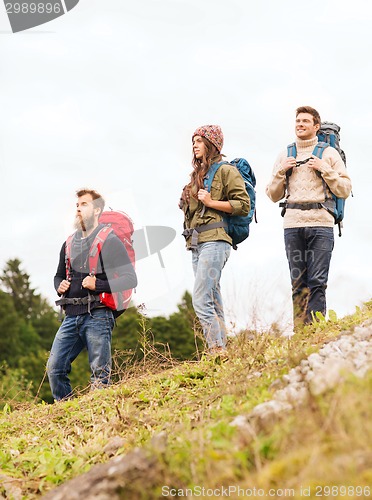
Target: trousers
(208, 260)
(309, 251)
(86, 331)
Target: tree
(45, 321)
(14, 386)
(27, 325)
(17, 283)
(187, 310)
(180, 330)
(10, 326)
(30, 306)
(177, 331)
(128, 330)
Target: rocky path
(321, 371)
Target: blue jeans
(309, 251)
(208, 260)
(91, 331)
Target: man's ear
(317, 126)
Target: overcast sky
(108, 96)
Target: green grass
(325, 443)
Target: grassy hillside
(323, 445)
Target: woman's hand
(205, 197)
(222, 206)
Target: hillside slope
(244, 426)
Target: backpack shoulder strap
(318, 152)
(208, 179)
(68, 255)
(319, 149)
(211, 173)
(96, 248)
(292, 150)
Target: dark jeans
(309, 251)
(86, 331)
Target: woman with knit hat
(204, 226)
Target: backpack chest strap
(292, 151)
(328, 204)
(195, 231)
(77, 301)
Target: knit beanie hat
(211, 132)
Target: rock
(159, 442)
(294, 375)
(11, 489)
(246, 430)
(295, 394)
(363, 333)
(107, 481)
(113, 445)
(266, 414)
(278, 383)
(329, 375)
(349, 353)
(239, 421)
(315, 361)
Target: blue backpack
(328, 135)
(237, 225)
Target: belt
(195, 231)
(328, 205)
(77, 301)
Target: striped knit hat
(211, 132)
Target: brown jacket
(227, 185)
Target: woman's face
(198, 147)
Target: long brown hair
(201, 167)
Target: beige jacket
(305, 186)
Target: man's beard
(84, 224)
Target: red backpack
(121, 224)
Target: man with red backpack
(87, 295)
